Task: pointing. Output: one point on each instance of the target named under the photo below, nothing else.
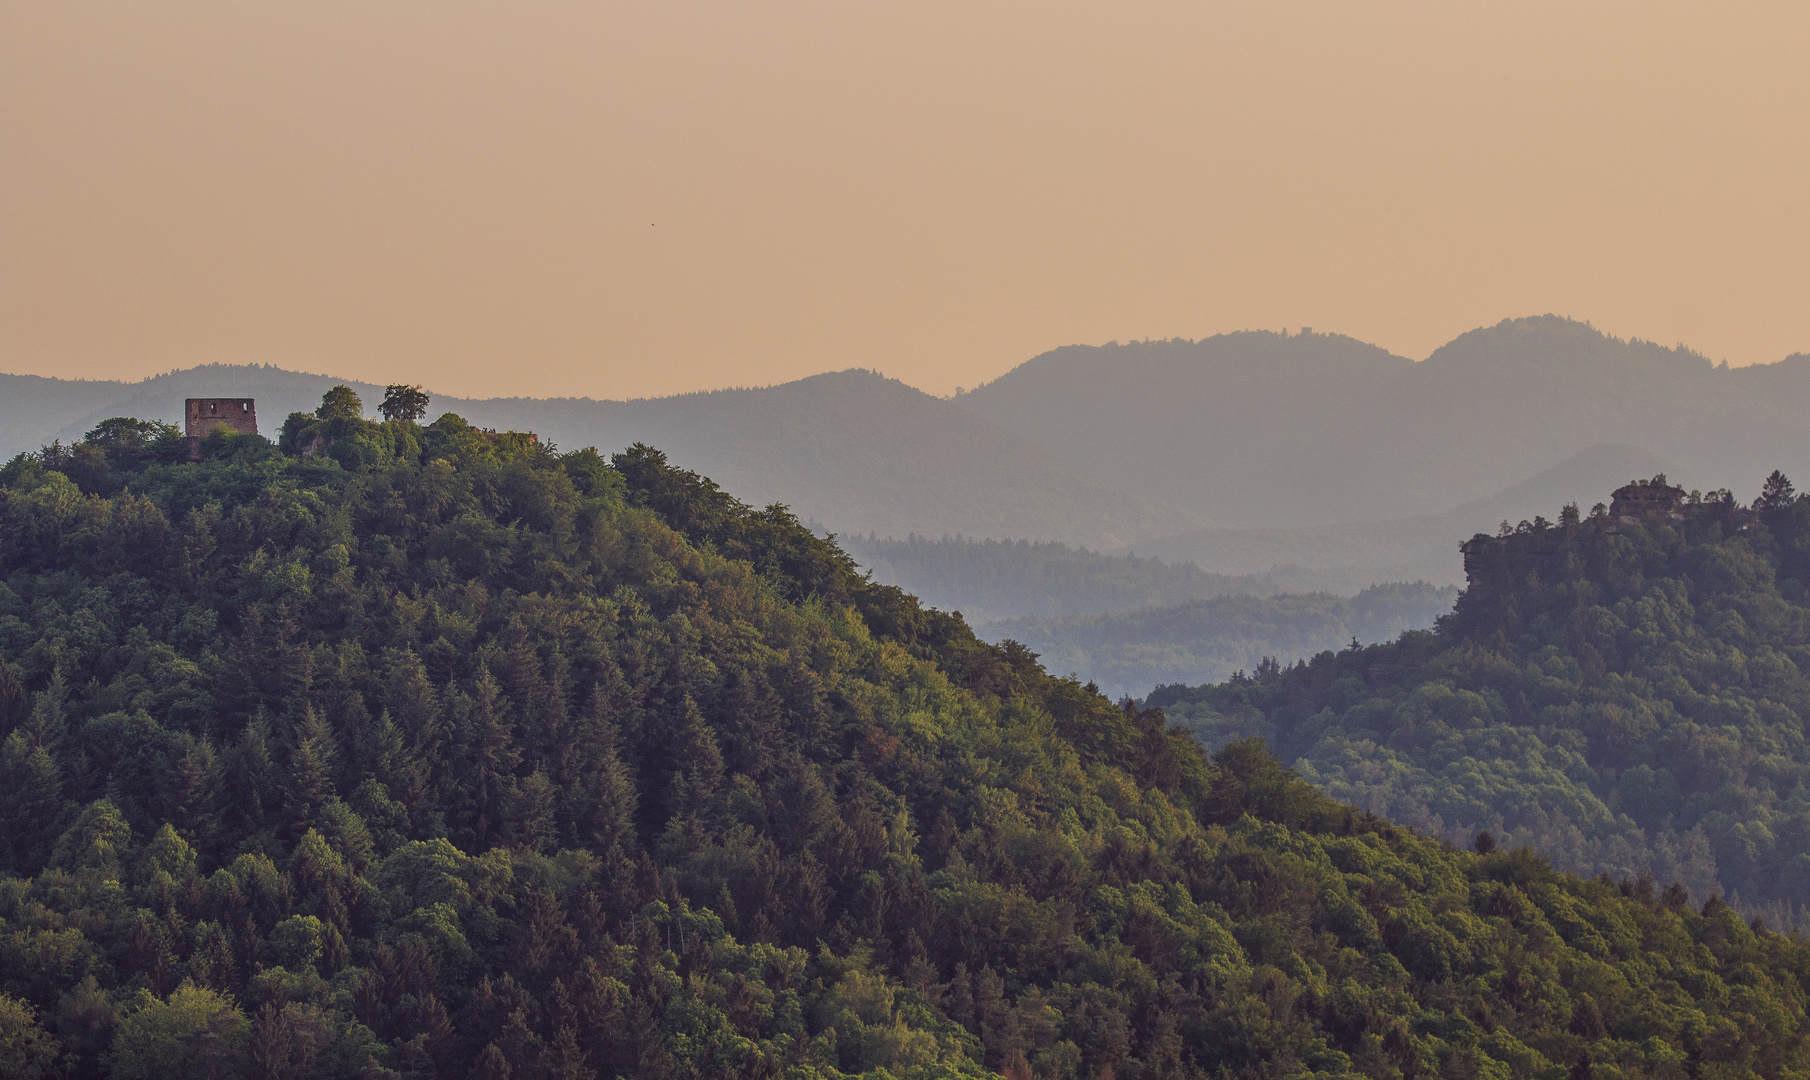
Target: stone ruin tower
(1646, 499)
(201, 415)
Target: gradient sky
(620, 200)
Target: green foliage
(340, 403)
(476, 758)
(27, 1051)
(195, 1032)
(1624, 694)
(401, 402)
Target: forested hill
(1626, 692)
(440, 754)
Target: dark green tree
(340, 403)
(1776, 494)
(27, 1051)
(402, 402)
(33, 798)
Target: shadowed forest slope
(1625, 692)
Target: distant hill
(987, 580)
(34, 410)
(858, 452)
(1259, 430)
(1424, 547)
(995, 579)
(1134, 652)
(852, 450)
(1241, 423)
(1311, 456)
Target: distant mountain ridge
(1131, 653)
(1245, 453)
(1344, 556)
(853, 450)
(1263, 430)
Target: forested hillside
(1132, 652)
(1625, 692)
(443, 754)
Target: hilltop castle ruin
(1647, 499)
(202, 415)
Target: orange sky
(630, 199)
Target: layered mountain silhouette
(1262, 430)
(1243, 453)
(849, 450)
(1344, 557)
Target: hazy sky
(630, 199)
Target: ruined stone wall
(1647, 499)
(202, 415)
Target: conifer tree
(192, 801)
(309, 776)
(487, 775)
(46, 724)
(15, 705)
(251, 775)
(33, 796)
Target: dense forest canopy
(1625, 691)
(438, 753)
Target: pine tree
(606, 804)
(251, 775)
(563, 1059)
(415, 707)
(488, 773)
(45, 724)
(961, 1000)
(309, 779)
(191, 798)
(379, 755)
(491, 1065)
(99, 840)
(991, 1010)
(531, 813)
(697, 764)
(1776, 494)
(15, 705)
(33, 796)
